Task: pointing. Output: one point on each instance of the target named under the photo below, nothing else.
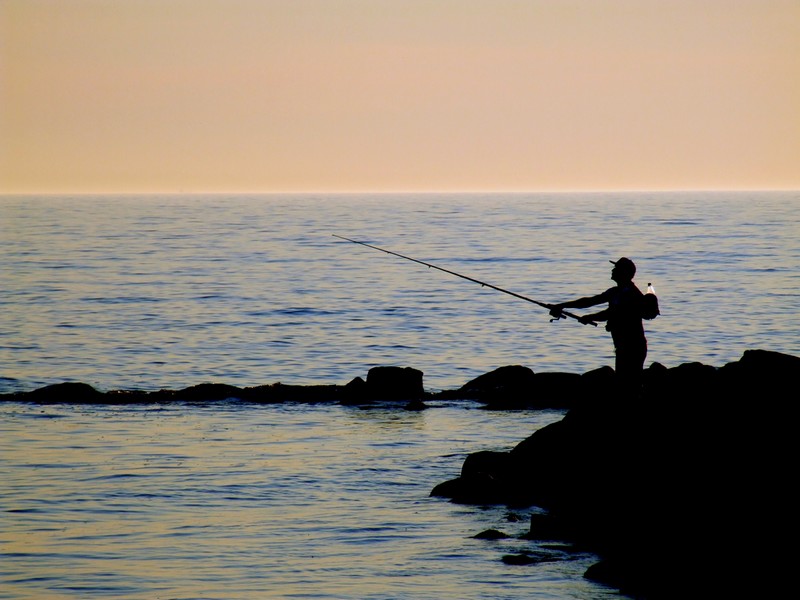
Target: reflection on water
(252, 502)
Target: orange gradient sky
(374, 95)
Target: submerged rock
(520, 559)
(491, 534)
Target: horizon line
(393, 192)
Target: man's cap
(624, 263)
(623, 260)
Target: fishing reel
(555, 314)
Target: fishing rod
(481, 283)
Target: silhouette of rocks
(73, 392)
(515, 387)
(416, 405)
(520, 559)
(549, 527)
(394, 383)
(278, 392)
(356, 392)
(511, 382)
(383, 383)
(208, 392)
(637, 481)
(679, 491)
(491, 534)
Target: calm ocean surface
(255, 502)
(230, 501)
(151, 292)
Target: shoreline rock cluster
(684, 493)
(513, 387)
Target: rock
(493, 463)
(680, 493)
(415, 405)
(355, 392)
(515, 387)
(208, 391)
(491, 534)
(447, 489)
(542, 390)
(484, 479)
(596, 383)
(547, 527)
(394, 383)
(279, 392)
(73, 392)
(475, 488)
(520, 559)
(771, 363)
(556, 390)
(760, 374)
(510, 384)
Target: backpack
(650, 304)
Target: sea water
(145, 292)
(227, 501)
(244, 501)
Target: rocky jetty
(511, 387)
(682, 493)
(382, 384)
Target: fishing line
(472, 279)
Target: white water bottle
(650, 289)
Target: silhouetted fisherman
(623, 319)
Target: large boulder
(759, 374)
(518, 387)
(509, 383)
(394, 383)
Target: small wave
(291, 311)
(121, 299)
(116, 476)
(40, 416)
(302, 310)
(501, 259)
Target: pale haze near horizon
(388, 95)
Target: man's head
(623, 270)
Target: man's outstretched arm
(555, 309)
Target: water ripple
(277, 501)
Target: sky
(101, 96)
